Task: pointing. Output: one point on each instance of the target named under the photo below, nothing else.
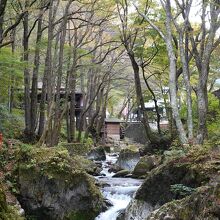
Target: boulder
(114, 168)
(128, 158)
(138, 210)
(76, 148)
(146, 164)
(193, 170)
(54, 185)
(122, 173)
(121, 215)
(203, 204)
(156, 188)
(97, 153)
(177, 179)
(89, 166)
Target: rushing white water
(119, 191)
(105, 165)
(119, 202)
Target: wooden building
(78, 100)
(113, 128)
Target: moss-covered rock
(146, 164)
(89, 166)
(204, 204)
(114, 168)
(177, 178)
(192, 170)
(76, 148)
(122, 173)
(137, 209)
(128, 158)
(97, 154)
(54, 185)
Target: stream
(118, 191)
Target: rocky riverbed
(179, 184)
(118, 191)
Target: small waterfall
(119, 202)
(119, 191)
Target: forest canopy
(67, 65)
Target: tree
(128, 37)
(168, 39)
(129, 33)
(203, 45)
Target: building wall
(113, 130)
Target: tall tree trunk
(173, 75)
(88, 107)
(26, 73)
(139, 96)
(72, 122)
(154, 99)
(43, 137)
(12, 78)
(202, 57)
(72, 85)
(101, 120)
(174, 101)
(168, 111)
(58, 119)
(202, 102)
(34, 89)
(68, 86)
(46, 91)
(91, 129)
(186, 79)
(82, 119)
(92, 92)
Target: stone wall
(136, 132)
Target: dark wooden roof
(62, 88)
(113, 120)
